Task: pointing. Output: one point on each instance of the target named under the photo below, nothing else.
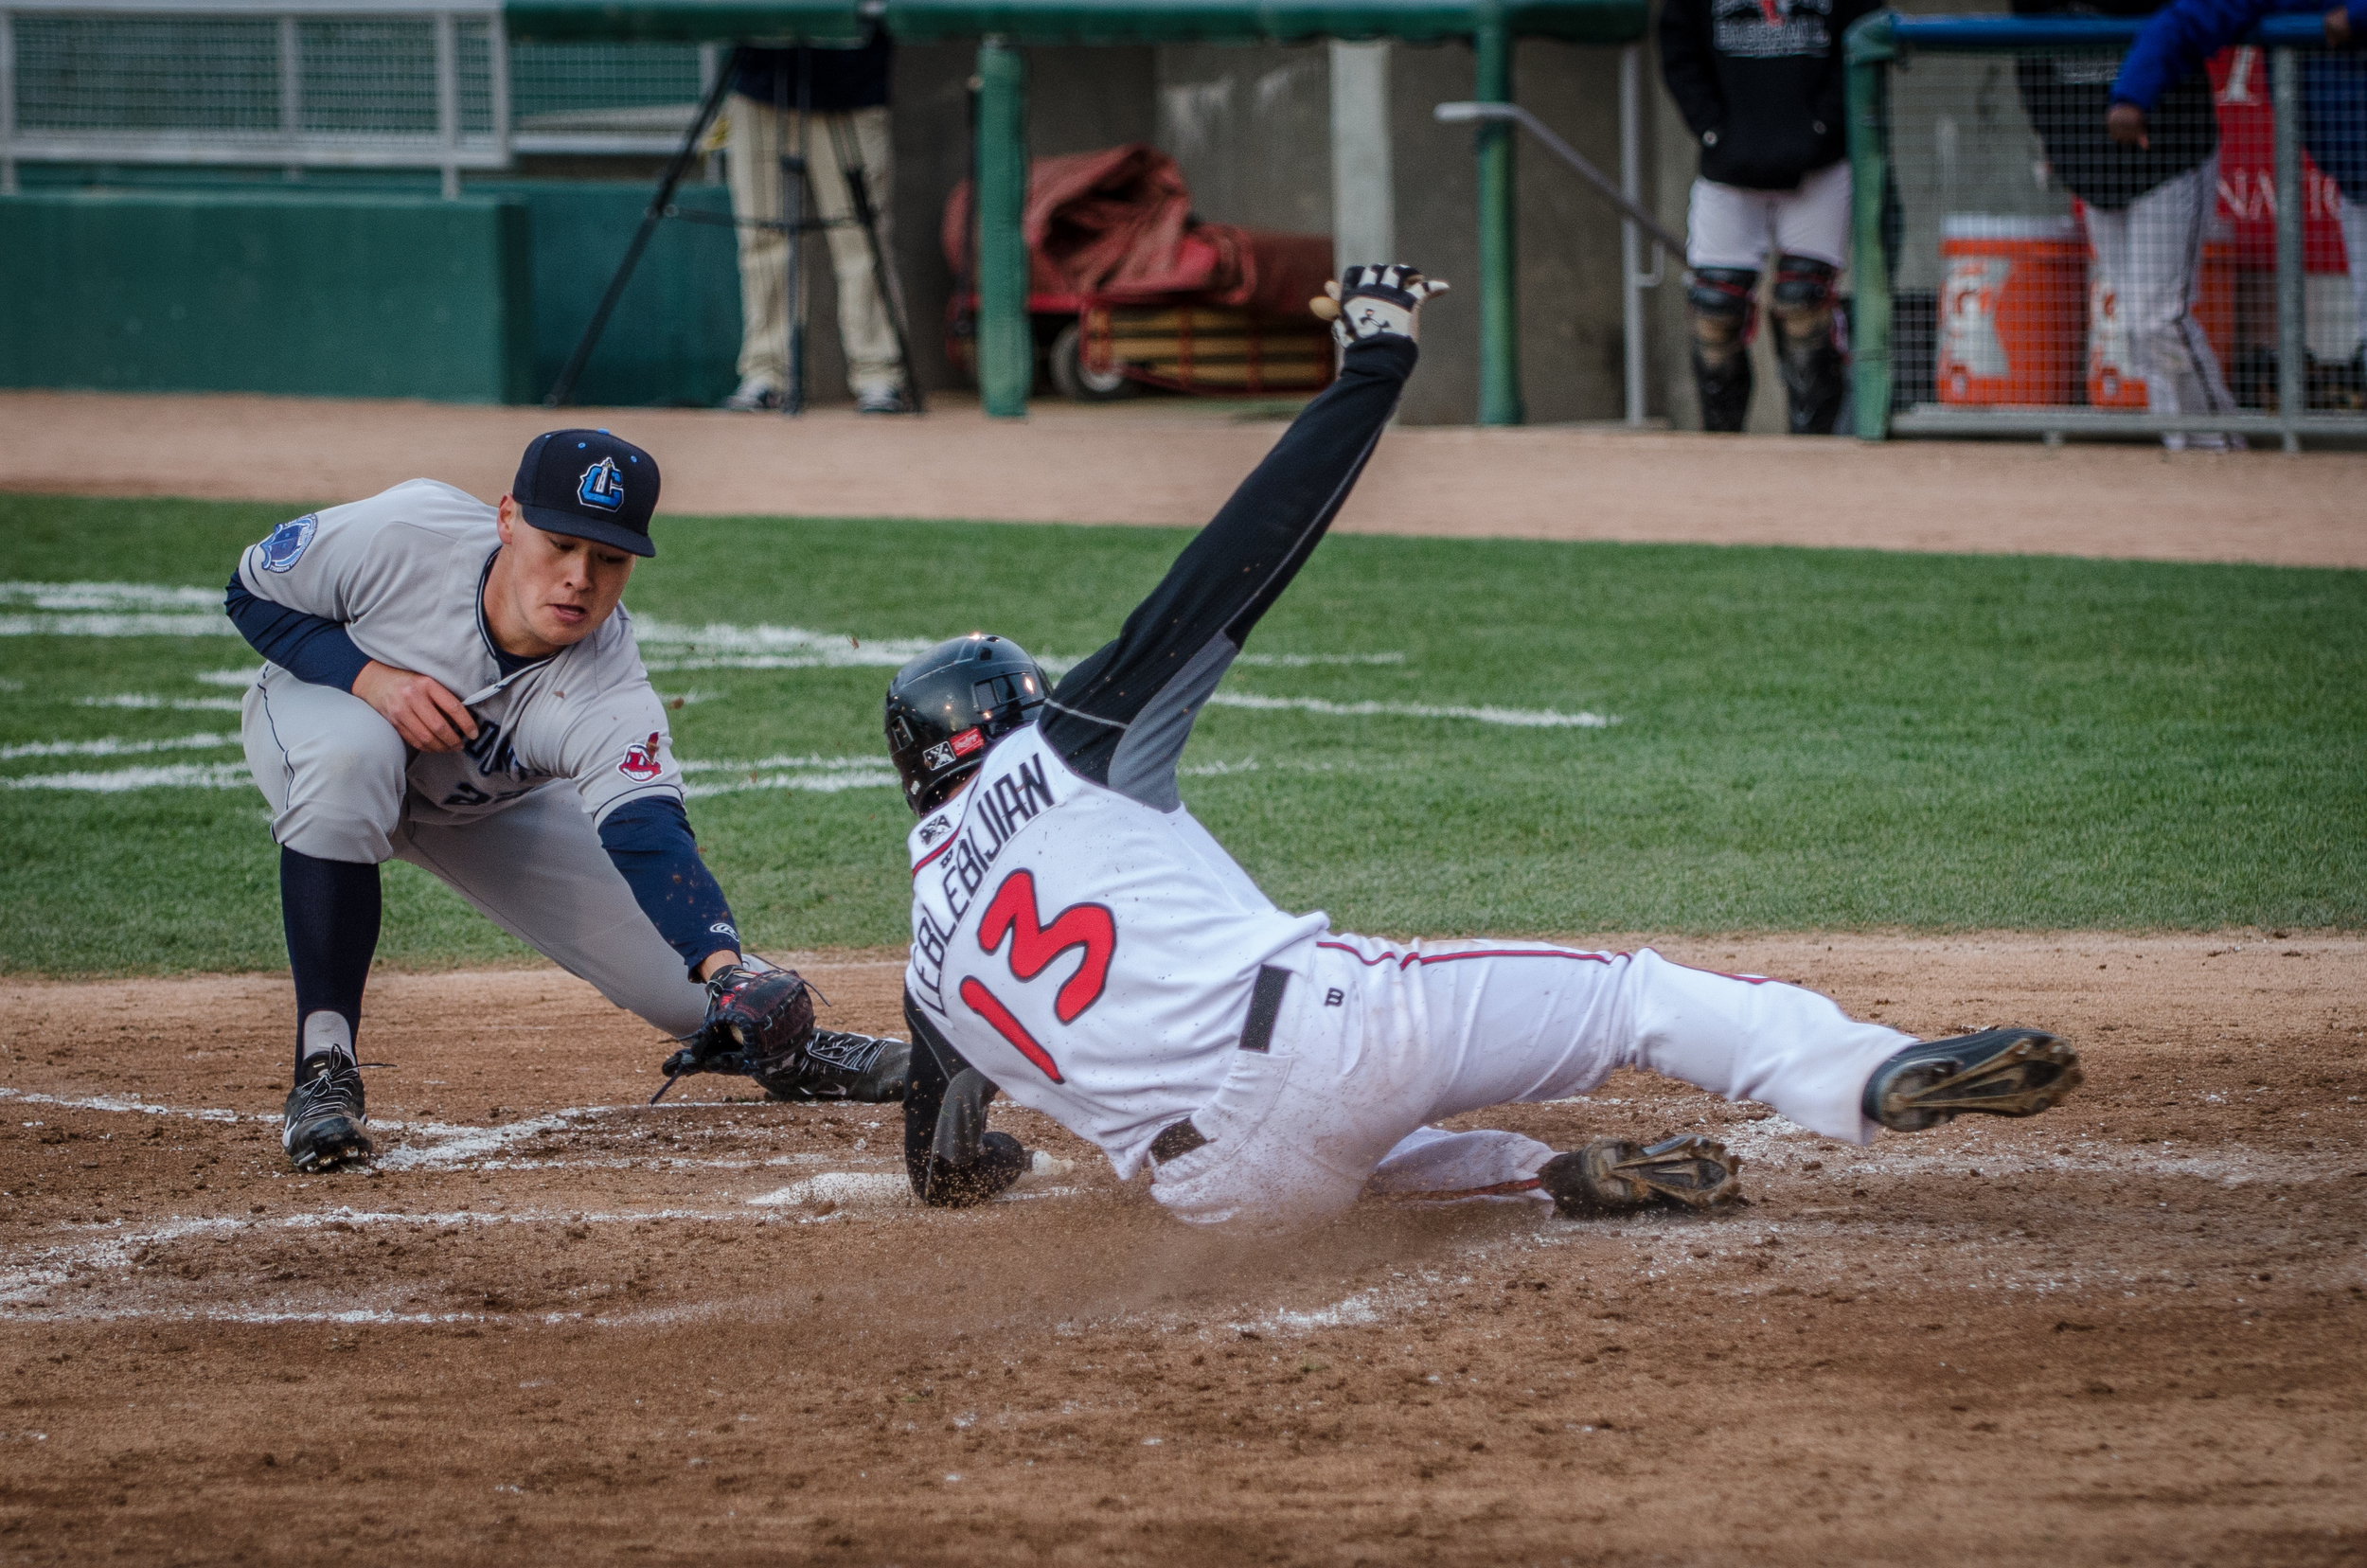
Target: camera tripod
(794, 223)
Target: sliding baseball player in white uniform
(1082, 944)
(455, 684)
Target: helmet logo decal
(939, 755)
(967, 741)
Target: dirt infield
(1173, 462)
(559, 1326)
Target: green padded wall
(330, 294)
(675, 336)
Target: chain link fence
(325, 83)
(2022, 269)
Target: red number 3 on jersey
(1012, 913)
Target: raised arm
(1122, 716)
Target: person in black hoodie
(2148, 204)
(1760, 85)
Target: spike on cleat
(1612, 1174)
(1996, 1072)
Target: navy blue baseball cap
(589, 485)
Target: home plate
(846, 1188)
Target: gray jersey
(403, 572)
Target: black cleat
(834, 1065)
(2002, 1072)
(1610, 1174)
(323, 1125)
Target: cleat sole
(2034, 1073)
(1610, 1175)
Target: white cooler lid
(1986, 225)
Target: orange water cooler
(2010, 328)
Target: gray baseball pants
(332, 770)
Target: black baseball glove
(759, 1025)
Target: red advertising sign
(2248, 181)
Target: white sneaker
(756, 394)
(880, 400)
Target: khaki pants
(760, 135)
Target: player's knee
(1802, 298)
(1718, 304)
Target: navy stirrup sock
(330, 911)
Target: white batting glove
(1375, 302)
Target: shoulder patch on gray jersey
(287, 544)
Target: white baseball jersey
(1091, 954)
(404, 573)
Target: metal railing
(300, 84)
(2019, 272)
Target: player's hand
(2126, 124)
(423, 710)
(2338, 27)
(1372, 302)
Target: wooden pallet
(1206, 349)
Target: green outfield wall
(328, 295)
(362, 293)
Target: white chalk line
(1519, 717)
(117, 746)
(150, 699)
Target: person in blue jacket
(2185, 33)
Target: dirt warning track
(560, 1324)
(1174, 461)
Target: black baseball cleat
(834, 1065)
(2002, 1072)
(1612, 1174)
(323, 1125)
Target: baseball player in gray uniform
(1080, 943)
(456, 685)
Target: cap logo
(602, 486)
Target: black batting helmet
(946, 706)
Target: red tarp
(1117, 224)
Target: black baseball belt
(1265, 1005)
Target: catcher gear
(1375, 302)
(1806, 344)
(2002, 1072)
(946, 706)
(321, 1127)
(1610, 1174)
(1721, 303)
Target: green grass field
(1803, 739)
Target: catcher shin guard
(1611, 1175)
(1720, 302)
(1806, 344)
(2002, 1072)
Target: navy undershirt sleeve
(649, 840)
(311, 648)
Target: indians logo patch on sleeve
(642, 761)
(287, 544)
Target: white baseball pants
(1377, 1039)
(1729, 227)
(332, 769)
(2150, 253)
